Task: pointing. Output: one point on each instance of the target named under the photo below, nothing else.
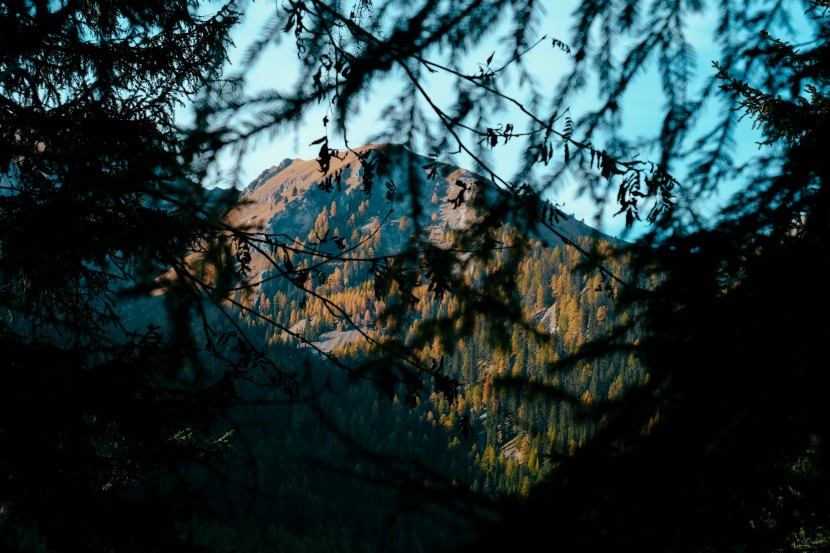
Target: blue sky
(278, 69)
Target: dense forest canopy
(671, 401)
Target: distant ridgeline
(345, 281)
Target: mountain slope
(375, 211)
(384, 269)
(285, 198)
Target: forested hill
(371, 204)
(289, 197)
(331, 285)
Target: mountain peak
(293, 197)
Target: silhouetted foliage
(702, 454)
(101, 405)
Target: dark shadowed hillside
(322, 308)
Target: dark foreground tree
(100, 407)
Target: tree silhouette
(102, 406)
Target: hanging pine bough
(692, 279)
